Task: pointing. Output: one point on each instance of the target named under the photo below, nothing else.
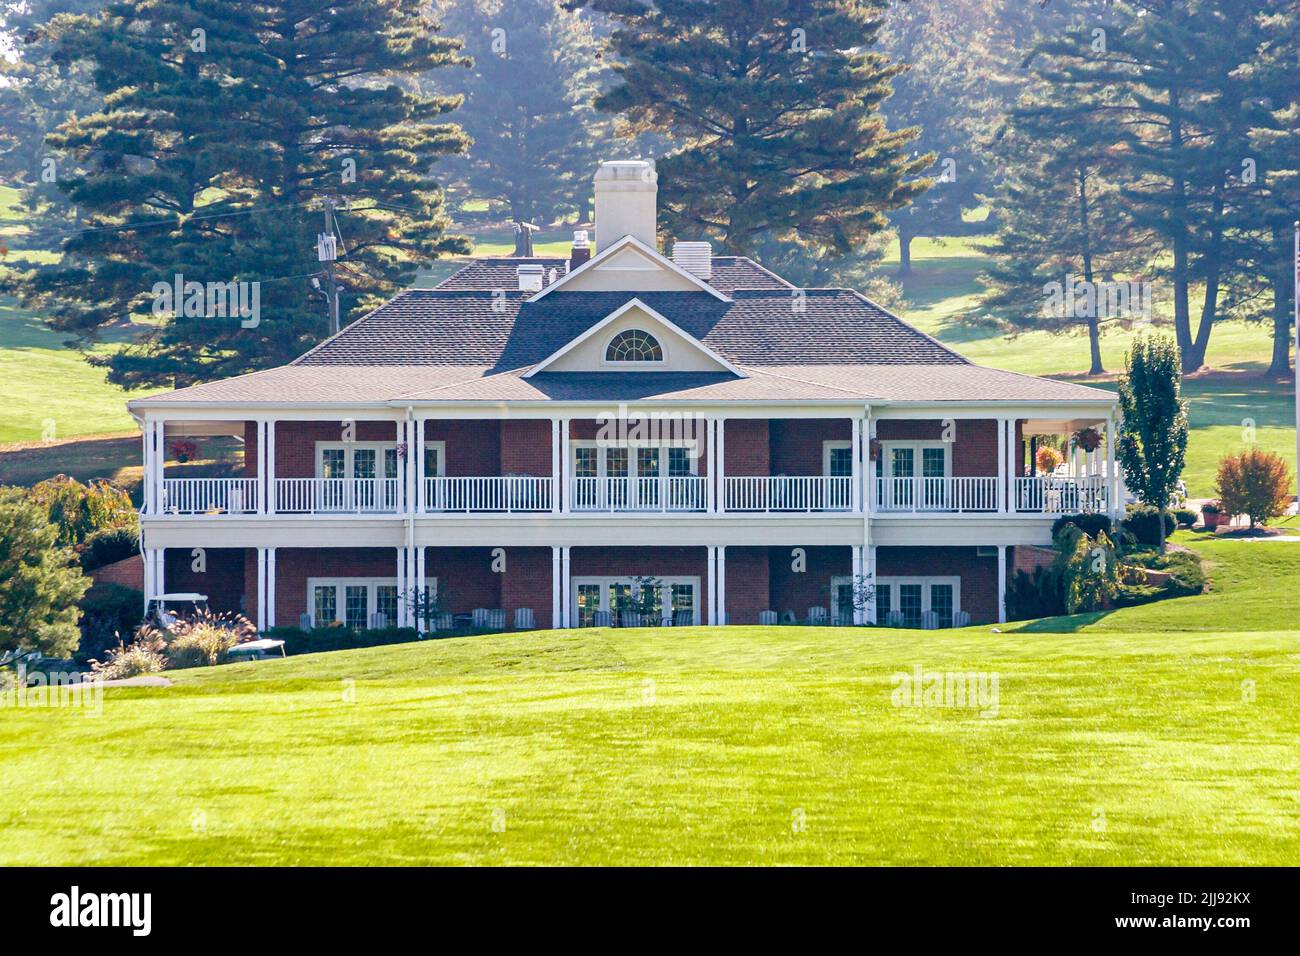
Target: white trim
(614, 317)
(828, 445)
(918, 457)
(351, 447)
(640, 246)
(722, 584)
(1002, 584)
(632, 366)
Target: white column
(270, 587)
(711, 558)
(421, 586)
(421, 498)
(871, 573)
(710, 467)
(566, 587)
(856, 493)
(565, 466)
(1111, 483)
(722, 467)
(156, 464)
(261, 587)
(1002, 584)
(557, 576)
(856, 551)
(261, 466)
(722, 585)
(1004, 476)
(146, 463)
(555, 482)
(270, 467)
(870, 466)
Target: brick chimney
(626, 191)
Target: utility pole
(327, 252)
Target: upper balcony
(570, 466)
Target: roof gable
(629, 265)
(682, 351)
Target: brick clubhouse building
(619, 437)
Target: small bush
(1143, 522)
(1036, 595)
(107, 611)
(142, 656)
(1088, 569)
(108, 545)
(1090, 524)
(1185, 517)
(205, 639)
(1254, 483)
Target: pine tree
(778, 105)
(40, 582)
(225, 129)
(528, 104)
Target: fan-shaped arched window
(634, 345)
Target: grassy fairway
(699, 746)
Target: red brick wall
(746, 447)
(473, 446)
(798, 591)
(747, 590)
(293, 566)
(465, 578)
(796, 443)
(975, 451)
(129, 573)
(1027, 557)
(527, 583)
(979, 576)
(223, 579)
(295, 444)
(525, 447)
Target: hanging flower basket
(401, 449)
(1089, 439)
(873, 449)
(184, 450)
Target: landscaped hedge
(339, 638)
(1090, 524)
(107, 546)
(1143, 522)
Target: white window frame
(918, 456)
(603, 447)
(349, 448)
(827, 448)
(924, 581)
(372, 586)
(605, 582)
(611, 363)
(441, 447)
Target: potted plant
(1213, 516)
(873, 449)
(1047, 459)
(184, 450)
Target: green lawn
(740, 746)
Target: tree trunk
(1164, 510)
(1094, 331)
(1280, 366)
(1182, 312)
(904, 252)
(1213, 266)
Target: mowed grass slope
(691, 746)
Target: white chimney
(625, 202)
(695, 257)
(530, 277)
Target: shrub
(1036, 595)
(1088, 569)
(77, 510)
(1255, 483)
(205, 639)
(142, 656)
(108, 545)
(1185, 517)
(1090, 524)
(1143, 522)
(1047, 459)
(107, 611)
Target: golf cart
(164, 610)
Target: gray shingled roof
(468, 340)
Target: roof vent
(581, 251)
(695, 257)
(530, 277)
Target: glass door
(648, 489)
(902, 472)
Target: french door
(615, 601)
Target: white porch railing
(937, 494)
(500, 494)
(788, 493)
(678, 493)
(1058, 496)
(338, 495)
(201, 496)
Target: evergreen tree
(778, 105)
(1152, 442)
(225, 130)
(40, 582)
(528, 104)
